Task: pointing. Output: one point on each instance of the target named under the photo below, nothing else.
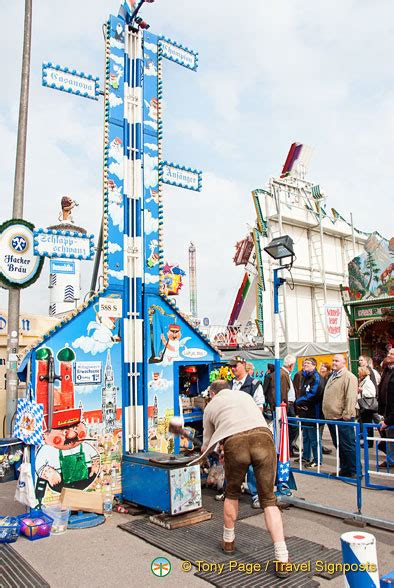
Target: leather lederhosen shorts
(254, 447)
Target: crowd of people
(334, 393)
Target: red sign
(333, 321)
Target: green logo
(160, 567)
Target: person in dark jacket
(268, 388)
(386, 408)
(324, 373)
(288, 396)
(308, 406)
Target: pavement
(107, 557)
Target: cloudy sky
(271, 72)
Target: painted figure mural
(66, 460)
(371, 274)
(82, 436)
(171, 341)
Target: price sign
(88, 372)
(111, 307)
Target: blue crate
(13, 442)
(9, 529)
(11, 445)
(39, 531)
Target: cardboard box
(80, 500)
(186, 402)
(199, 402)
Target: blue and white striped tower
(123, 232)
(133, 246)
(360, 560)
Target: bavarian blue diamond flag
(28, 422)
(284, 477)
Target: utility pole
(193, 280)
(17, 212)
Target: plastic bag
(24, 492)
(220, 477)
(216, 476)
(28, 422)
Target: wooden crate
(182, 520)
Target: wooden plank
(183, 520)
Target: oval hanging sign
(19, 267)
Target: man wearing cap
(245, 382)
(233, 417)
(66, 459)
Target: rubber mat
(301, 551)
(254, 545)
(16, 572)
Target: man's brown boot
(282, 569)
(227, 547)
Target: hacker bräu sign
(19, 265)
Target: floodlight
(141, 23)
(281, 247)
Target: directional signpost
(66, 244)
(70, 80)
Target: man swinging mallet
(233, 417)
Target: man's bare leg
(230, 513)
(273, 522)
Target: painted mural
(170, 340)
(83, 408)
(114, 151)
(371, 275)
(152, 206)
(82, 442)
(171, 282)
(185, 487)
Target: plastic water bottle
(107, 500)
(113, 477)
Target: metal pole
(353, 236)
(97, 260)
(17, 212)
(323, 264)
(277, 283)
(313, 289)
(286, 325)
